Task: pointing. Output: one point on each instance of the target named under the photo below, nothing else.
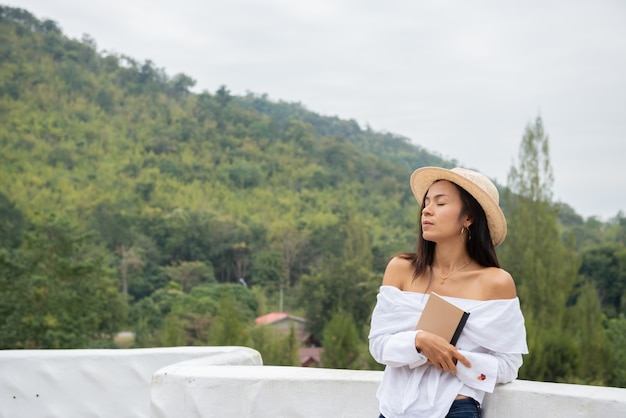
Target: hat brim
(424, 177)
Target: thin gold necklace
(445, 277)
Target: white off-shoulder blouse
(493, 340)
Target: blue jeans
(462, 408)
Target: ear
(467, 221)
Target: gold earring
(469, 233)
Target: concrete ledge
(263, 392)
(228, 382)
(291, 392)
(94, 383)
(523, 398)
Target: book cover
(443, 318)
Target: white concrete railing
(94, 383)
(292, 392)
(259, 392)
(228, 382)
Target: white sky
(460, 78)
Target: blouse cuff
(483, 373)
(400, 351)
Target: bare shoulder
(498, 284)
(399, 271)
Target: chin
(429, 238)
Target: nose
(426, 209)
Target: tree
(544, 268)
(605, 265)
(181, 83)
(245, 174)
(267, 269)
(241, 259)
(585, 323)
(60, 291)
(129, 259)
(190, 274)
(12, 223)
(343, 282)
(341, 343)
(113, 227)
(146, 318)
(172, 335)
(223, 96)
(228, 326)
(292, 348)
(276, 348)
(290, 243)
(267, 278)
(616, 333)
(148, 276)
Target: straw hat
(475, 183)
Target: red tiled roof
(270, 318)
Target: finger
(460, 357)
(452, 367)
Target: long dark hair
(480, 247)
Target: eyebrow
(436, 196)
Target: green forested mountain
(98, 137)
(190, 188)
(128, 202)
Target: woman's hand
(439, 352)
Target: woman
(426, 376)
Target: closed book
(443, 318)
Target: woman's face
(441, 216)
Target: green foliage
(341, 343)
(190, 274)
(57, 290)
(563, 322)
(12, 223)
(172, 335)
(337, 285)
(228, 327)
(616, 334)
(276, 348)
(268, 269)
(172, 317)
(605, 265)
(585, 324)
(344, 281)
(183, 177)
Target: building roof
(310, 356)
(273, 317)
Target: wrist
(417, 344)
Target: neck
(449, 257)
(450, 269)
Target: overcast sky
(460, 78)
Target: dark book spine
(459, 328)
